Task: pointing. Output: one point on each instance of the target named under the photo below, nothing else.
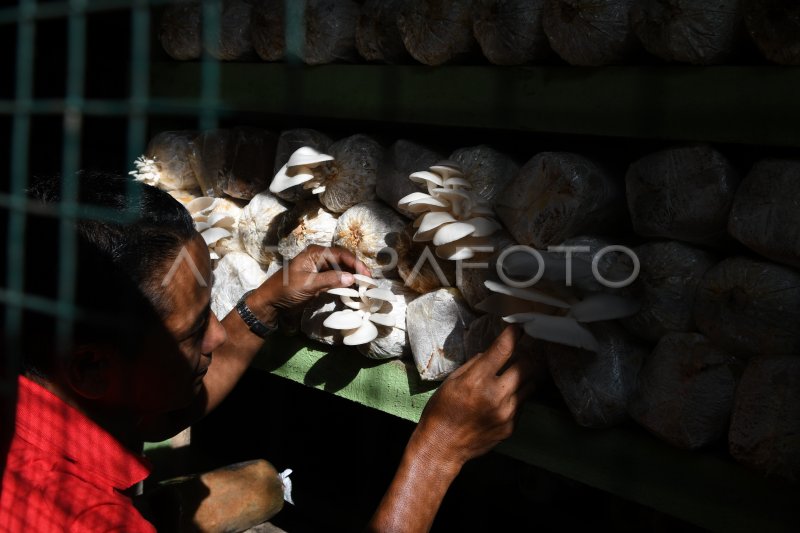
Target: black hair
(120, 261)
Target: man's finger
(519, 372)
(496, 355)
(329, 279)
(335, 257)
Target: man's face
(170, 377)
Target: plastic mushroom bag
(682, 193)
(774, 26)
(596, 386)
(353, 173)
(437, 31)
(590, 33)
(482, 267)
(371, 231)
(267, 29)
(377, 35)
(487, 170)
(666, 286)
(765, 215)
(180, 30)
(555, 196)
(418, 266)
(402, 158)
(449, 215)
(689, 31)
(234, 32)
(436, 323)
(233, 162)
(329, 31)
(750, 307)
(235, 274)
(685, 391)
(258, 231)
(304, 224)
(510, 32)
(165, 163)
(765, 426)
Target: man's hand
(314, 270)
(475, 408)
(472, 411)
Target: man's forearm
(417, 490)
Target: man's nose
(215, 336)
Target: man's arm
(314, 270)
(471, 412)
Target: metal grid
(73, 108)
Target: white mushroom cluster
(555, 319)
(216, 219)
(306, 167)
(147, 171)
(450, 215)
(368, 305)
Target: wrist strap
(255, 325)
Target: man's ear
(89, 370)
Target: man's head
(144, 335)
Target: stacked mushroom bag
(504, 32)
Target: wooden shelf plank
(736, 104)
(704, 488)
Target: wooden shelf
(703, 488)
(737, 104)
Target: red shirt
(65, 473)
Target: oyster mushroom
(449, 215)
(258, 231)
(392, 342)
(305, 167)
(552, 318)
(290, 141)
(367, 229)
(217, 221)
(368, 306)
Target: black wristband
(255, 325)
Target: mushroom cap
(344, 291)
(452, 232)
(212, 235)
(425, 177)
(200, 204)
(307, 157)
(364, 280)
(457, 182)
(432, 220)
(384, 319)
(346, 319)
(381, 294)
(366, 332)
(283, 180)
(531, 295)
(447, 168)
(483, 226)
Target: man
(146, 358)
